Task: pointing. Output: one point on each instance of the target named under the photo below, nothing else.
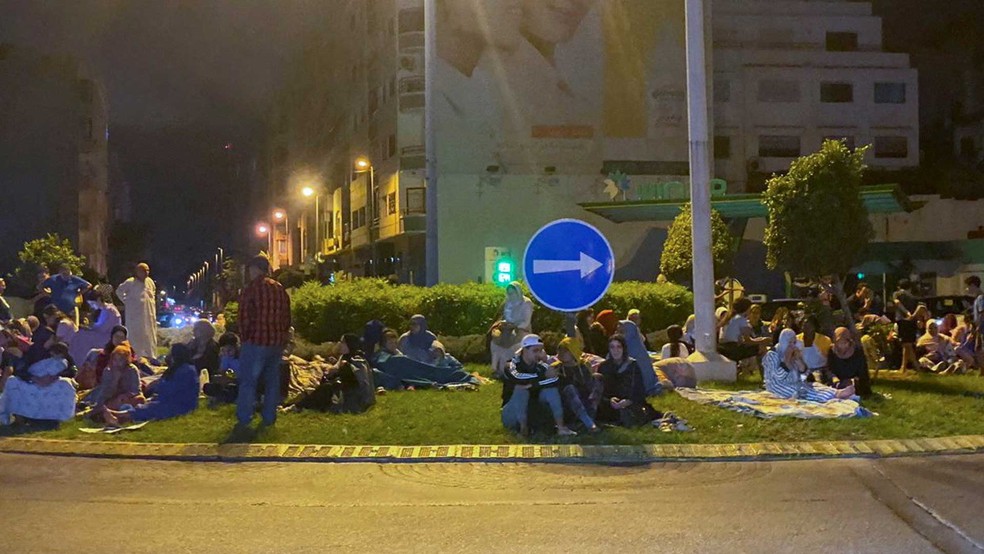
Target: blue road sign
(568, 265)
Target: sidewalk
(496, 453)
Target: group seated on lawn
(605, 374)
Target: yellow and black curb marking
(496, 453)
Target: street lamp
(364, 165)
(280, 216)
(308, 191)
(262, 229)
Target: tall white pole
(430, 144)
(700, 179)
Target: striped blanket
(765, 405)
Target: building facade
(53, 155)
(539, 111)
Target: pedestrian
(264, 326)
(5, 315)
(139, 296)
(65, 289)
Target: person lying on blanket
(784, 371)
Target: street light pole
(430, 143)
(707, 362)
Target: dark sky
(184, 78)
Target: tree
(49, 252)
(818, 225)
(677, 260)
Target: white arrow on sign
(586, 265)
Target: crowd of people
(603, 373)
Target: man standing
(264, 326)
(65, 288)
(974, 290)
(139, 296)
(905, 302)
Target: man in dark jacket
(526, 374)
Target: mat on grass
(765, 405)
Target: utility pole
(430, 144)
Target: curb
(558, 453)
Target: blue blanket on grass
(396, 372)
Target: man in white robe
(139, 296)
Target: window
(412, 20)
(779, 146)
(842, 42)
(891, 147)
(836, 93)
(889, 93)
(722, 90)
(848, 140)
(722, 148)
(391, 147)
(391, 203)
(778, 91)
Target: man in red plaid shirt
(264, 326)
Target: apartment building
(544, 114)
(53, 154)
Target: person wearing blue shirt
(65, 288)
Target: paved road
(50, 504)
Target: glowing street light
(279, 214)
(307, 191)
(364, 165)
(262, 229)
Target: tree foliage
(48, 252)
(818, 224)
(677, 260)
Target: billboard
(560, 86)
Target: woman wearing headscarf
(416, 343)
(101, 330)
(204, 348)
(580, 388)
(608, 321)
(636, 349)
(847, 364)
(507, 333)
(585, 318)
(175, 393)
(91, 372)
(784, 369)
(624, 397)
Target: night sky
(187, 77)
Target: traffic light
(505, 271)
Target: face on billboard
(488, 22)
(553, 21)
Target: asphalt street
(79, 505)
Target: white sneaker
(565, 432)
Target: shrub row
(324, 313)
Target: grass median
(914, 406)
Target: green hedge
(324, 313)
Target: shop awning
(878, 199)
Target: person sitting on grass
(95, 362)
(675, 348)
(847, 364)
(222, 388)
(636, 348)
(737, 341)
(440, 357)
(526, 376)
(416, 343)
(635, 316)
(174, 394)
(44, 396)
(964, 338)
(120, 383)
(936, 352)
(816, 347)
(580, 388)
(204, 349)
(624, 396)
(347, 387)
(785, 369)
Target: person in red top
(264, 326)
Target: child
(440, 358)
(222, 387)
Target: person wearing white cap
(525, 374)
